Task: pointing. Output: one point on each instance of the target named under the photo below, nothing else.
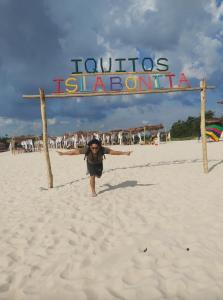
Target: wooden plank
(115, 93)
(203, 129)
(45, 137)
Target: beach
(153, 232)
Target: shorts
(95, 169)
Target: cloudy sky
(38, 39)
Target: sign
(91, 65)
(119, 82)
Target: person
(94, 154)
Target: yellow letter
(68, 83)
(134, 83)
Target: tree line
(189, 128)
(179, 130)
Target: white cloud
(216, 11)
(15, 127)
(52, 121)
(189, 33)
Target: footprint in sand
(86, 262)
(73, 230)
(5, 281)
(14, 257)
(99, 233)
(40, 220)
(31, 289)
(143, 261)
(4, 287)
(135, 276)
(31, 240)
(74, 216)
(72, 243)
(105, 245)
(54, 231)
(32, 229)
(70, 271)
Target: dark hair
(94, 141)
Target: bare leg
(92, 184)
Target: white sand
(61, 244)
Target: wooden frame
(42, 97)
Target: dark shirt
(98, 157)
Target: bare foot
(93, 194)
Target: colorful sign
(110, 76)
(116, 82)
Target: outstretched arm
(70, 152)
(113, 152)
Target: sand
(153, 232)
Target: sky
(38, 39)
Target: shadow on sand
(122, 185)
(148, 165)
(158, 164)
(215, 165)
(167, 163)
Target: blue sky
(218, 2)
(39, 38)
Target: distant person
(94, 153)
(12, 146)
(169, 136)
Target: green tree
(190, 127)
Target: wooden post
(203, 129)
(45, 137)
(144, 135)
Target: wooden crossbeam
(115, 93)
